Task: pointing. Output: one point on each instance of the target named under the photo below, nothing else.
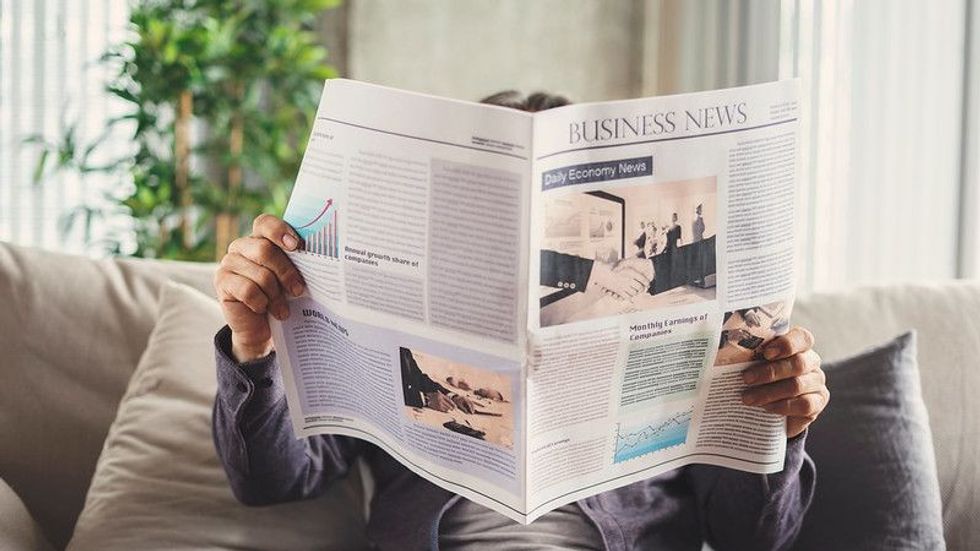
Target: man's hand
(625, 283)
(642, 266)
(253, 280)
(790, 382)
(438, 401)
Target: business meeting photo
(627, 248)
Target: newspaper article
(529, 309)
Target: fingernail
(284, 311)
(771, 353)
(289, 241)
(750, 377)
(748, 398)
(296, 289)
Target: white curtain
(969, 250)
(883, 119)
(883, 112)
(50, 78)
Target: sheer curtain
(884, 145)
(49, 78)
(969, 251)
(886, 155)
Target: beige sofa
(72, 331)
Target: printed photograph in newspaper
(627, 249)
(461, 398)
(745, 331)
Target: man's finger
(796, 340)
(622, 289)
(782, 390)
(796, 425)
(634, 281)
(807, 405)
(263, 277)
(241, 289)
(794, 366)
(276, 230)
(264, 252)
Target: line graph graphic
(316, 223)
(645, 437)
(323, 211)
(324, 241)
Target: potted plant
(221, 96)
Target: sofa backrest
(72, 330)
(945, 316)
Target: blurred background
(160, 128)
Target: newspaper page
(413, 215)
(694, 193)
(529, 309)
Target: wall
(589, 50)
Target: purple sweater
(679, 509)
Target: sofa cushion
(17, 528)
(944, 315)
(71, 332)
(876, 472)
(159, 483)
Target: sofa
(73, 329)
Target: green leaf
(42, 162)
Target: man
(641, 241)
(697, 227)
(699, 260)
(673, 234)
(265, 464)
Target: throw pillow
(159, 484)
(877, 486)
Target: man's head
(538, 101)
(697, 210)
(674, 217)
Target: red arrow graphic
(322, 212)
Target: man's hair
(538, 101)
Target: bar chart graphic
(324, 241)
(650, 436)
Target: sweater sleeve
(740, 510)
(565, 271)
(264, 461)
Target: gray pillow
(877, 486)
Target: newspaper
(529, 309)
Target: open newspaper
(529, 309)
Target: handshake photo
(623, 279)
